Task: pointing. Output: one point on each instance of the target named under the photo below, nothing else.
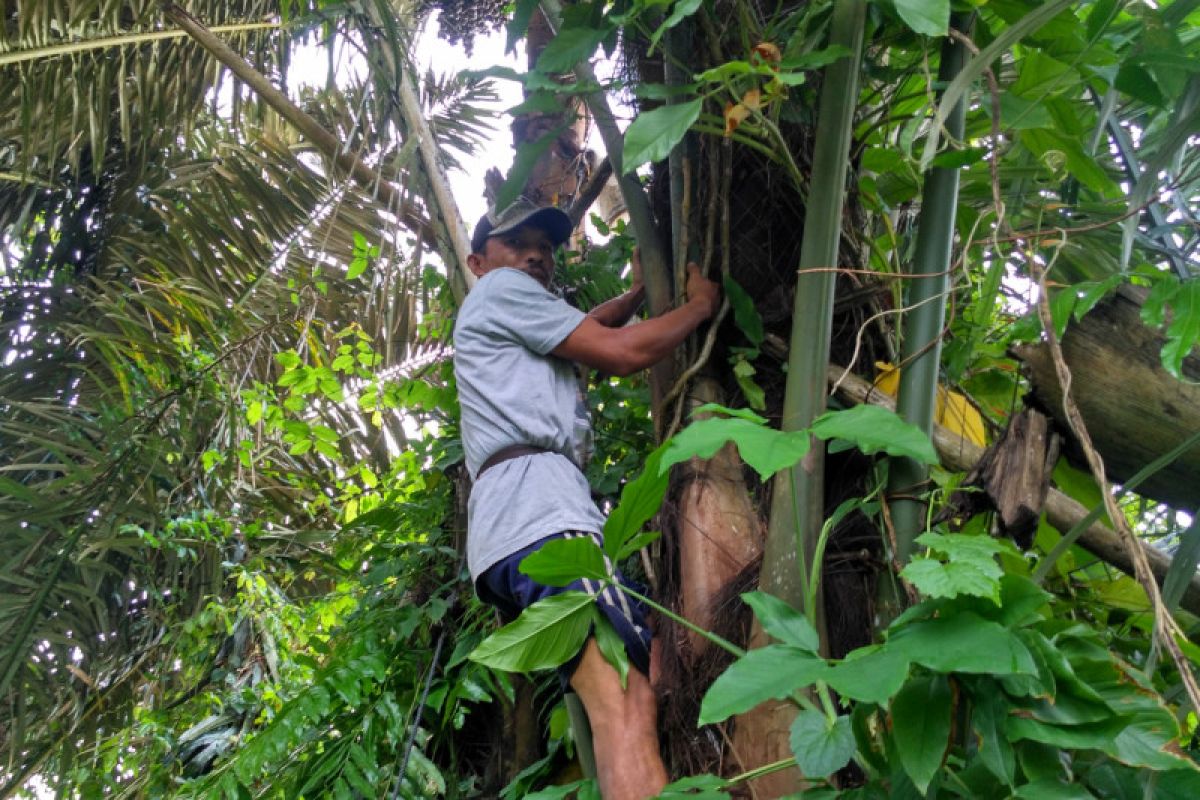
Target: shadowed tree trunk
(555, 177)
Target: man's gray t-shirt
(513, 392)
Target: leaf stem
(712, 637)
(765, 769)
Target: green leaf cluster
(1045, 702)
(871, 429)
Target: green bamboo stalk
(921, 346)
(797, 507)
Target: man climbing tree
(514, 347)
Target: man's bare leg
(624, 728)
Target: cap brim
(553, 221)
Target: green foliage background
(231, 481)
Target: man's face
(526, 248)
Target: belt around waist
(508, 454)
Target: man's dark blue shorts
(506, 588)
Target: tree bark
(720, 532)
(556, 176)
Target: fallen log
(1134, 410)
(1062, 512)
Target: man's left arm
(616, 312)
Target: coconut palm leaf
(198, 247)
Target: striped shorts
(509, 591)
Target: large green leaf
(1019, 113)
(1044, 142)
(769, 672)
(653, 135)
(558, 562)
(740, 413)
(1151, 743)
(921, 726)
(782, 621)
(569, 47)
(930, 17)
(964, 642)
(765, 449)
(519, 24)
(971, 569)
(1137, 82)
(988, 713)
(821, 746)
(981, 61)
(935, 579)
(968, 548)
(1062, 674)
(1096, 736)
(871, 674)
(612, 647)
(1183, 334)
(528, 155)
(874, 429)
(748, 320)
(1183, 565)
(558, 792)
(1065, 709)
(681, 11)
(1178, 784)
(547, 634)
(1051, 789)
(640, 500)
(1021, 599)
(696, 787)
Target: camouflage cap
(553, 221)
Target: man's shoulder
(508, 279)
(509, 305)
(498, 292)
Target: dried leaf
(734, 116)
(767, 53)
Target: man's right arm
(624, 351)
